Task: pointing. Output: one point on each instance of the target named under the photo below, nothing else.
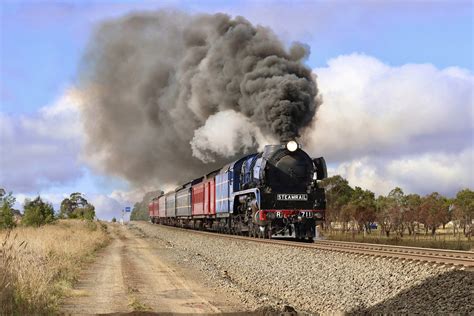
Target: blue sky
(42, 43)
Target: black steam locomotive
(272, 194)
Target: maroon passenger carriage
(272, 194)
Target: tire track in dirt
(128, 275)
(101, 288)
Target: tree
(383, 215)
(114, 219)
(77, 206)
(338, 195)
(136, 214)
(38, 212)
(89, 212)
(6, 209)
(398, 209)
(464, 210)
(361, 208)
(412, 213)
(140, 210)
(434, 211)
(391, 211)
(66, 208)
(6, 217)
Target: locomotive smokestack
(169, 87)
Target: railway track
(442, 256)
(464, 259)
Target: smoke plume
(166, 87)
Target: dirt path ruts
(128, 275)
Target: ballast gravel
(283, 278)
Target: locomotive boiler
(271, 194)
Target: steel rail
(401, 249)
(457, 258)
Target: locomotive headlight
(292, 145)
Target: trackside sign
(292, 197)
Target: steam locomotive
(271, 194)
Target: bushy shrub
(37, 213)
(6, 209)
(6, 217)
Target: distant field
(39, 265)
(442, 240)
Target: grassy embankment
(442, 240)
(38, 266)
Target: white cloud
(54, 198)
(111, 205)
(434, 172)
(107, 207)
(422, 174)
(135, 195)
(59, 120)
(363, 173)
(384, 126)
(41, 149)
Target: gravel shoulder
(131, 275)
(281, 278)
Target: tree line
(359, 210)
(38, 212)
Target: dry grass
(440, 240)
(39, 265)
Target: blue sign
(128, 209)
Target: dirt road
(130, 276)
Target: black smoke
(153, 79)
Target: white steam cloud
(225, 134)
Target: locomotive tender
(272, 194)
